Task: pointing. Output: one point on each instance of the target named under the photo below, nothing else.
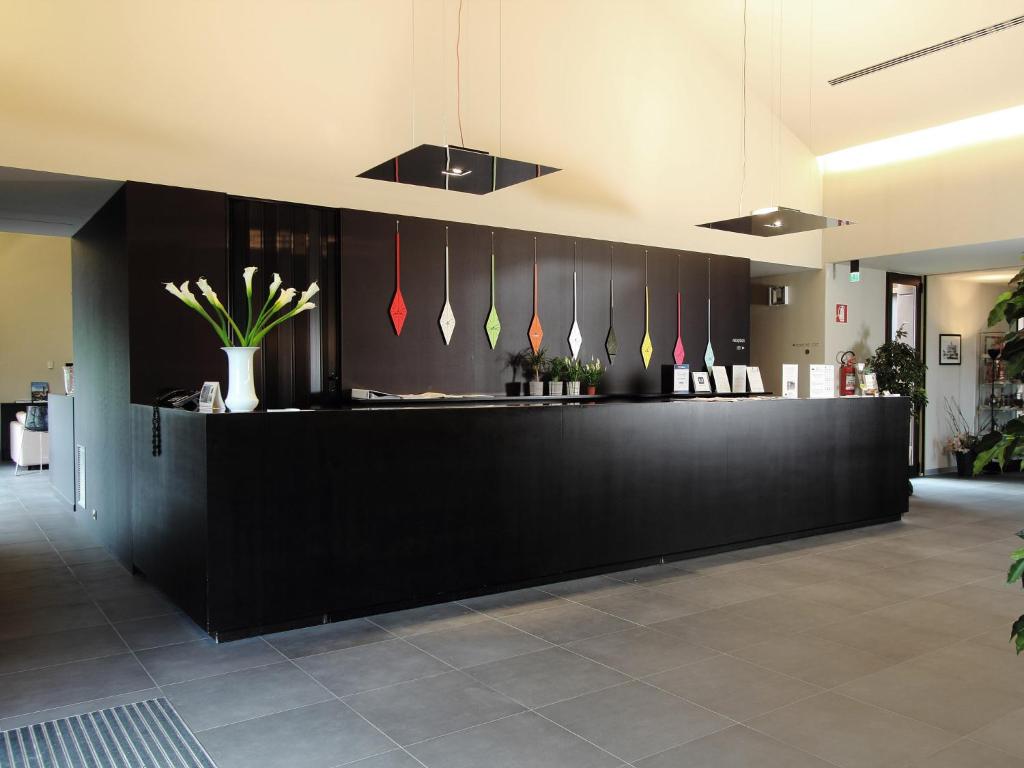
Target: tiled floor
(878, 647)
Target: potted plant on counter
(239, 346)
(556, 370)
(517, 362)
(592, 373)
(963, 443)
(573, 374)
(534, 364)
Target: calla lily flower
(247, 274)
(269, 317)
(308, 294)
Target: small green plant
(592, 372)
(899, 370)
(516, 361)
(1016, 573)
(535, 363)
(556, 368)
(573, 369)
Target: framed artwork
(40, 391)
(949, 349)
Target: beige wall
(291, 101)
(789, 334)
(969, 195)
(864, 330)
(955, 305)
(35, 314)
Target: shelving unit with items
(999, 398)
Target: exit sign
(855, 277)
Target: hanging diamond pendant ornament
(447, 319)
(575, 337)
(536, 332)
(679, 354)
(611, 341)
(646, 348)
(709, 353)
(493, 324)
(397, 310)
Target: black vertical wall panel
(418, 360)
(99, 289)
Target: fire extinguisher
(847, 374)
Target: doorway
(904, 316)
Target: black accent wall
(418, 360)
(130, 337)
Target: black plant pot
(965, 463)
(513, 389)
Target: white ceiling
(971, 79)
(1004, 254)
(38, 203)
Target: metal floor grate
(149, 734)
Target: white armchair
(28, 448)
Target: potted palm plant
(534, 364)
(556, 370)
(573, 374)
(517, 362)
(241, 346)
(592, 373)
(962, 443)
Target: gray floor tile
(733, 687)
(88, 555)
(789, 613)
(58, 648)
(215, 701)
(203, 658)
(641, 651)
(318, 736)
(397, 758)
(710, 591)
(587, 587)
(509, 603)
(813, 659)
(851, 734)
(566, 622)
(16, 563)
(1005, 733)
(327, 637)
(423, 709)
(735, 747)
(717, 629)
(969, 754)
(477, 643)
(80, 708)
(634, 720)
(544, 677)
(428, 618)
(158, 631)
(46, 619)
(520, 741)
(366, 667)
(41, 596)
(23, 692)
(136, 607)
(940, 696)
(643, 606)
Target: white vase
(554, 388)
(241, 387)
(572, 388)
(536, 388)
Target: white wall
(959, 197)
(864, 330)
(955, 305)
(789, 334)
(35, 314)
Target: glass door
(904, 314)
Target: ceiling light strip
(1009, 23)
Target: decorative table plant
(516, 361)
(239, 346)
(535, 363)
(556, 369)
(573, 374)
(963, 443)
(592, 373)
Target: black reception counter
(270, 520)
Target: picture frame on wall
(949, 349)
